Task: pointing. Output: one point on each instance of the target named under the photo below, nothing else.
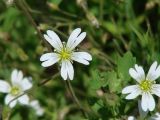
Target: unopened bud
(9, 2)
(83, 4)
(100, 93)
(95, 23)
(150, 5)
(93, 20)
(52, 6)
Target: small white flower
(131, 118)
(18, 86)
(146, 86)
(36, 106)
(155, 117)
(65, 52)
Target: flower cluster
(16, 91)
(65, 54)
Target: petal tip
(70, 78)
(41, 58)
(44, 65)
(48, 31)
(78, 29)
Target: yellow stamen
(15, 90)
(146, 85)
(64, 54)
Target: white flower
(131, 118)
(65, 52)
(146, 85)
(36, 106)
(17, 87)
(155, 117)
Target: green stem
(101, 10)
(47, 80)
(24, 7)
(1, 111)
(8, 116)
(69, 86)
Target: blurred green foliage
(120, 33)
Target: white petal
(8, 100)
(75, 38)
(131, 118)
(13, 103)
(70, 70)
(133, 73)
(153, 73)
(53, 39)
(48, 56)
(26, 84)
(24, 99)
(157, 72)
(81, 57)
(4, 87)
(16, 76)
(142, 113)
(151, 102)
(144, 102)
(49, 62)
(156, 89)
(137, 73)
(40, 111)
(79, 39)
(129, 89)
(147, 102)
(64, 70)
(49, 59)
(34, 104)
(140, 71)
(67, 70)
(133, 94)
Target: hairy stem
(23, 6)
(47, 80)
(69, 86)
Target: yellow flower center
(64, 54)
(15, 90)
(146, 85)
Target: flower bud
(9, 2)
